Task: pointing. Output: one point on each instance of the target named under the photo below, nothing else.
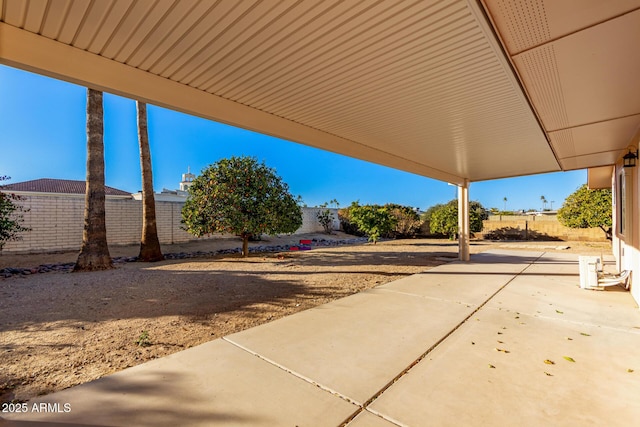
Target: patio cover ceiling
(454, 90)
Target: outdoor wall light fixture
(630, 159)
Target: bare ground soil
(62, 329)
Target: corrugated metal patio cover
(422, 86)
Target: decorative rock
(67, 267)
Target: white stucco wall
(626, 244)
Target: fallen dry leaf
(549, 362)
(570, 359)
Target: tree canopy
(444, 218)
(373, 220)
(11, 217)
(406, 220)
(587, 208)
(241, 196)
(376, 221)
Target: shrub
(11, 217)
(444, 218)
(373, 220)
(344, 215)
(325, 216)
(407, 221)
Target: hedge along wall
(529, 227)
(56, 223)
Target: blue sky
(42, 135)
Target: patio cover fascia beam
(31, 52)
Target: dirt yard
(60, 329)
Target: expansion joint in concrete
(429, 350)
(295, 374)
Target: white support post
(463, 221)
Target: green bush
(11, 216)
(344, 215)
(391, 221)
(325, 216)
(444, 218)
(373, 220)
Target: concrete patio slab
(356, 345)
(508, 338)
(214, 383)
(467, 283)
(492, 371)
(367, 419)
(464, 288)
(550, 289)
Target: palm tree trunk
(149, 244)
(94, 253)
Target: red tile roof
(67, 186)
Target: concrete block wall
(56, 223)
(124, 221)
(310, 222)
(517, 227)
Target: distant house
(58, 187)
(55, 214)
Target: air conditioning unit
(589, 268)
(593, 277)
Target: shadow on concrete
(145, 399)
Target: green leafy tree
(373, 220)
(587, 208)
(444, 218)
(426, 215)
(477, 214)
(243, 197)
(11, 217)
(348, 226)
